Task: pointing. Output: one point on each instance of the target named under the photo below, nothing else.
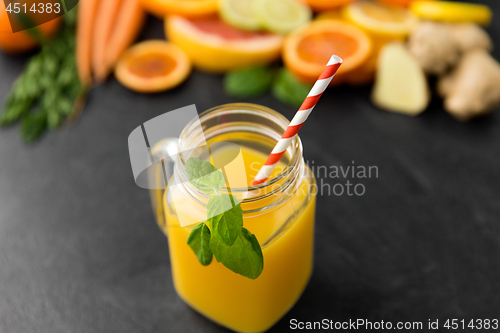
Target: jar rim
(293, 168)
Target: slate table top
(80, 250)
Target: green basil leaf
(248, 82)
(289, 90)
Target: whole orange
(22, 41)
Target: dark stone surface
(80, 251)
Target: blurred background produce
(404, 47)
(48, 91)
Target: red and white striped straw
(299, 119)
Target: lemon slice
(238, 13)
(380, 19)
(452, 11)
(281, 16)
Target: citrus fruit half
(366, 72)
(281, 16)
(307, 50)
(238, 13)
(153, 66)
(22, 41)
(186, 8)
(379, 19)
(215, 46)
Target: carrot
(86, 17)
(105, 20)
(130, 20)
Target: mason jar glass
(280, 212)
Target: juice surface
(237, 302)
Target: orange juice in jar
(280, 213)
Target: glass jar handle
(165, 152)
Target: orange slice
(214, 46)
(307, 50)
(379, 19)
(153, 66)
(366, 72)
(322, 5)
(186, 8)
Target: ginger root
(400, 84)
(473, 87)
(434, 48)
(470, 36)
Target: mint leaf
(204, 176)
(199, 241)
(225, 217)
(243, 257)
(231, 244)
(288, 89)
(248, 82)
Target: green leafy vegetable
(248, 82)
(199, 241)
(231, 244)
(45, 93)
(204, 176)
(33, 125)
(243, 257)
(289, 89)
(226, 217)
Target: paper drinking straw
(299, 119)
